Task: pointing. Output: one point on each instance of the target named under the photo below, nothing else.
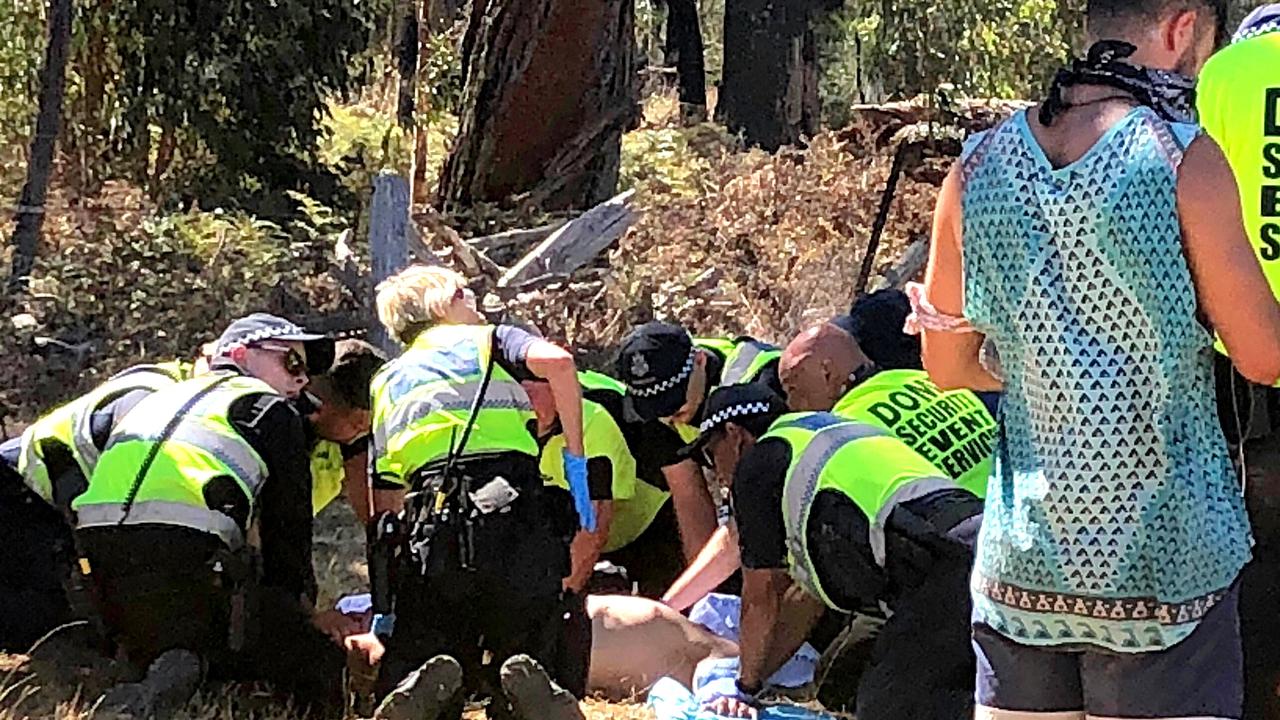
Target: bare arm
(694, 506)
(799, 615)
(1230, 286)
(555, 365)
(951, 358)
(762, 592)
(715, 564)
(586, 547)
(356, 483)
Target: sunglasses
(294, 363)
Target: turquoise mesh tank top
(1114, 517)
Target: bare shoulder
(1203, 163)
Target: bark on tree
(769, 86)
(549, 90)
(26, 233)
(684, 52)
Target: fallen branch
(473, 259)
(520, 238)
(908, 266)
(576, 243)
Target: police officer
(196, 525)
(485, 545)
(824, 369)
(50, 464)
(669, 375)
(636, 527)
(854, 518)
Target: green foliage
(22, 41)
(246, 81)
(440, 74)
(983, 48)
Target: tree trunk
(407, 52)
(549, 90)
(684, 52)
(26, 233)
(769, 89)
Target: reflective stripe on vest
(746, 361)
(876, 485)
(71, 425)
(204, 445)
(422, 401)
(141, 377)
(743, 358)
(162, 512)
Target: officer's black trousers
(508, 601)
(35, 563)
(158, 590)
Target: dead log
(473, 260)
(576, 243)
(907, 268)
(518, 239)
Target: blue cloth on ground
(670, 700)
(720, 614)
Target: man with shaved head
(823, 369)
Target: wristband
(383, 625)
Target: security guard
(854, 518)
(1238, 98)
(50, 464)
(823, 369)
(200, 476)
(480, 562)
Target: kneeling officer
(855, 519)
(174, 508)
(476, 558)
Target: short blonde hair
(415, 298)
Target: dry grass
(62, 684)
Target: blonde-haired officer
(487, 546)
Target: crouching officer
(51, 462)
(476, 559)
(196, 524)
(669, 375)
(854, 518)
(635, 525)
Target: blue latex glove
(575, 471)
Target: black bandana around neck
(1172, 95)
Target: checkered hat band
(661, 387)
(724, 415)
(259, 335)
(1256, 30)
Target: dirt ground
(61, 681)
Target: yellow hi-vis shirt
(1238, 96)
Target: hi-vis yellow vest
(69, 424)
(632, 514)
(204, 445)
(328, 474)
(422, 400)
(744, 359)
(953, 430)
(864, 462)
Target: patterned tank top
(1114, 517)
